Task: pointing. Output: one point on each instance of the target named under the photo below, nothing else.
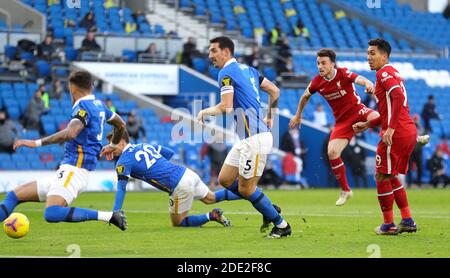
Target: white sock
(282, 224)
(104, 215)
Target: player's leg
(64, 191)
(384, 190)
(34, 191)
(189, 188)
(402, 149)
(335, 148)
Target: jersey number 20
(148, 150)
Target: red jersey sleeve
(348, 75)
(395, 96)
(387, 80)
(313, 85)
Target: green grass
(320, 229)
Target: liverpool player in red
(336, 85)
(398, 134)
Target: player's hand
(387, 136)
(200, 117)
(360, 127)
(295, 121)
(370, 89)
(268, 122)
(27, 143)
(108, 152)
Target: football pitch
(320, 229)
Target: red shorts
(393, 160)
(344, 129)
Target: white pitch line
(350, 214)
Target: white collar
(232, 60)
(83, 98)
(386, 65)
(126, 147)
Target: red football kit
(393, 107)
(341, 95)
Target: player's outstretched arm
(119, 129)
(70, 132)
(121, 191)
(274, 95)
(361, 80)
(297, 119)
(225, 106)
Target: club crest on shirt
(119, 169)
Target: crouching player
(150, 163)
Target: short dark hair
(125, 136)
(81, 79)
(327, 52)
(382, 44)
(224, 42)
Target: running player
(239, 86)
(398, 133)
(336, 85)
(82, 138)
(150, 163)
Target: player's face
(217, 55)
(325, 66)
(375, 58)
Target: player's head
(80, 82)
(122, 143)
(378, 53)
(326, 61)
(221, 49)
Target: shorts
(393, 160)
(189, 188)
(344, 129)
(250, 154)
(68, 182)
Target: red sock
(386, 199)
(338, 168)
(400, 197)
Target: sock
(386, 199)
(339, 171)
(8, 205)
(195, 220)
(104, 215)
(55, 214)
(400, 197)
(235, 189)
(225, 194)
(262, 204)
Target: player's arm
(397, 100)
(121, 192)
(274, 95)
(362, 81)
(297, 119)
(119, 128)
(72, 130)
(225, 106)
(167, 153)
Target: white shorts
(250, 154)
(189, 188)
(67, 183)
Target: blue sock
(262, 204)
(194, 220)
(8, 205)
(225, 194)
(235, 189)
(69, 214)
